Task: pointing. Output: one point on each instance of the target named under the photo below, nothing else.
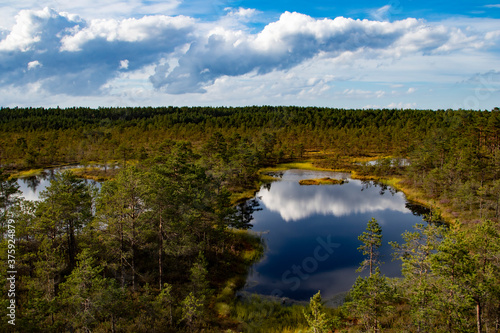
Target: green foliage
(259, 315)
(372, 240)
(87, 299)
(192, 310)
(316, 318)
(419, 283)
(371, 298)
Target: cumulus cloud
(79, 56)
(64, 53)
(295, 38)
(34, 64)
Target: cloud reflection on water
(337, 200)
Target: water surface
(32, 186)
(311, 233)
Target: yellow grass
(321, 181)
(27, 173)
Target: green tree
(9, 191)
(192, 311)
(455, 275)
(418, 284)
(164, 303)
(316, 317)
(372, 240)
(65, 209)
(199, 274)
(120, 216)
(88, 298)
(371, 298)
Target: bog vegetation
(157, 249)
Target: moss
(322, 181)
(27, 173)
(94, 173)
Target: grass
(322, 181)
(418, 197)
(26, 173)
(303, 165)
(261, 315)
(94, 173)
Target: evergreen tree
(120, 216)
(418, 285)
(88, 298)
(372, 240)
(371, 298)
(192, 311)
(66, 208)
(9, 191)
(164, 303)
(316, 317)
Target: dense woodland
(157, 249)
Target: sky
(341, 54)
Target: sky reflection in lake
(311, 233)
(32, 186)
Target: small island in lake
(322, 181)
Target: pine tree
(192, 310)
(419, 282)
(372, 240)
(66, 208)
(88, 298)
(316, 317)
(371, 298)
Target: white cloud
(79, 57)
(124, 64)
(129, 30)
(29, 29)
(402, 105)
(296, 58)
(492, 35)
(294, 38)
(34, 64)
(363, 94)
(241, 12)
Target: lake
(311, 233)
(31, 186)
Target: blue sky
(347, 54)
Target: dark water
(311, 233)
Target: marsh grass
(26, 173)
(322, 181)
(261, 315)
(94, 173)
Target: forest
(164, 244)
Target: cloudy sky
(349, 54)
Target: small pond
(311, 233)
(31, 186)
